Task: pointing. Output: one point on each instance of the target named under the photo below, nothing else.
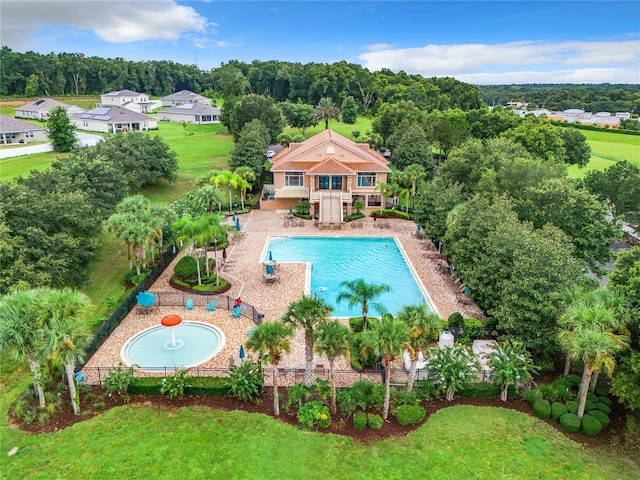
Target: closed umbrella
(270, 256)
(241, 354)
(290, 209)
(237, 224)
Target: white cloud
(590, 62)
(377, 47)
(113, 21)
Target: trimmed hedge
(410, 414)
(199, 386)
(572, 379)
(572, 405)
(390, 213)
(602, 417)
(592, 397)
(602, 391)
(542, 408)
(570, 422)
(591, 426)
(374, 421)
(605, 400)
(602, 407)
(558, 409)
(359, 420)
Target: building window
(374, 201)
(366, 179)
(197, 118)
(206, 118)
(294, 179)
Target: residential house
(183, 96)
(199, 113)
(134, 101)
(13, 130)
(328, 170)
(112, 119)
(39, 109)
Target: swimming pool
(336, 259)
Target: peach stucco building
(328, 170)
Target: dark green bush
(346, 401)
(374, 421)
(591, 426)
(427, 390)
(198, 386)
(570, 422)
(145, 386)
(542, 408)
(410, 414)
(363, 393)
(602, 407)
(403, 397)
(388, 212)
(246, 381)
(572, 379)
(589, 405)
(605, 400)
(473, 329)
(455, 320)
(181, 283)
(602, 417)
(359, 420)
(314, 414)
(572, 406)
(186, 267)
(592, 397)
(481, 390)
(532, 394)
(558, 409)
(601, 391)
(356, 324)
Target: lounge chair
(359, 224)
(211, 306)
(237, 310)
(326, 225)
(353, 224)
(188, 304)
(301, 223)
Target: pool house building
(330, 172)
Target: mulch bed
(66, 418)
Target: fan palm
(510, 365)
(230, 179)
(386, 338)
(333, 339)
(207, 196)
(423, 328)
(363, 293)
(307, 313)
(273, 339)
(326, 110)
(248, 176)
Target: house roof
(42, 104)
(192, 109)
(330, 166)
(291, 158)
(111, 113)
(122, 93)
(185, 95)
(15, 125)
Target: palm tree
(248, 176)
(423, 328)
(207, 196)
(510, 364)
(386, 190)
(230, 179)
(65, 333)
(413, 174)
(273, 339)
(333, 339)
(326, 110)
(197, 232)
(386, 338)
(216, 230)
(20, 330)
(587, 333)
(360, 292)
(307, 313)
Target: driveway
(84, 140)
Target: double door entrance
(329, 182)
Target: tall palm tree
(216, 230)
(230, 179)
(273, 339)
(587, 333)
(423, 328)
(363, 293)
(386, 338)
(413, 174)
(386, 190)
(65, 333)
(197, 232)
(20, 330)
(307, 313)
(333, 339)
(248, 176)
(326, 110)
(207, 196)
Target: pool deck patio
(245, 272)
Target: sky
(478, 42)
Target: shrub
(173, 385)
(589, 405)
(359, 420)
(246, 381)
(410, 414)
(374, 421)
(363, 393)
(455, 320)
(118, 381)
(482, 390)
(572, 379)
(473, 329)
(602, 417)
(605, 400)
(602, 407)
(297, 395)
(558, 409)
(314, 414)
(186, 267)
(548, 392)
(601, 391)
(542, 408)
(99, 405)
(570, 422)
(406, 398)
(346, 401)
(355, 323)
(427, 390)
(532, 394)
(591, 426)
(572, 406)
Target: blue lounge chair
(211, 306)
(235, 313)
(188, 304)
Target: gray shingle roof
(14, 125)
(112, 113)
(185, 95)
(193, 109)
(122, 93)
(43, 103)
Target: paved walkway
(246, 277)
(84, 140)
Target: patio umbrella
(418, 228)
(290, 209)
(233, 217)
(270, 256)
(237, 224)
(269, 270)
(145, 299)
(241, 354)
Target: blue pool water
(335, 259)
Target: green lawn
(199, 443)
